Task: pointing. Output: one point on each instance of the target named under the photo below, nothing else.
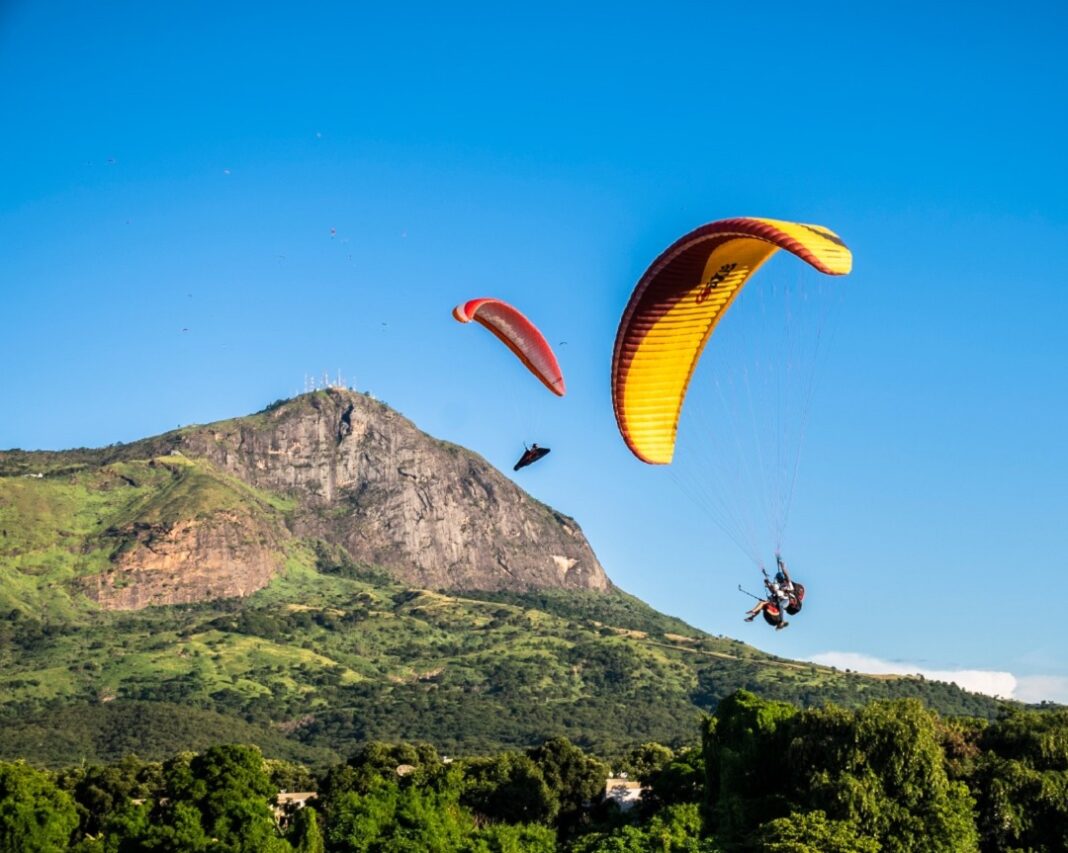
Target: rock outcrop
(228, 555)
(365, 478)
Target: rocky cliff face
(365, 478)
(227, 555)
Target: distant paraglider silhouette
(526, 342)
(530, 456)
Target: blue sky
(314, 190)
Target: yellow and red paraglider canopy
(675, 308)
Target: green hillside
(328, 651)
(71, 519)
(331, 653)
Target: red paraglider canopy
(519, 335)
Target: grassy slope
(330, 657)
(71, 522)
(331, 652)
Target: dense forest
(765, 775)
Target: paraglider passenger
(777, 598)
(781, 593)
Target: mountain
(323, 572)
(212, 511)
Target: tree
(508, 787)
(1021, 782)
(358, 819)
(178, 828)
(641, 763)
(676, 829)
(877, 773)
(506, 838)
(128, 828)
(813, 832)
(304, 833)
(743, 744)
(35, 815)
(575, 778)
(383, 759)
(375, 761)
(229, 790)
(409, 819)
(680, 780)
(887, 776)
(1039, 738)
(100, 791)
(289, 775)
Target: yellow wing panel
(665, 358)
(676, 306)
(830, 253)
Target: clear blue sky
(182, 166)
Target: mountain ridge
(333, 465)
(119, 587)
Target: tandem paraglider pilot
(783, 597)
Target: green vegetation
(56, 734)
(889, 776)
(878, 773)
(73, 522)
(34, 814)
(333, 653)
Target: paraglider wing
(519, 335)
(676, 306)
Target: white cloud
(1035, 688)
(1004, 685)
